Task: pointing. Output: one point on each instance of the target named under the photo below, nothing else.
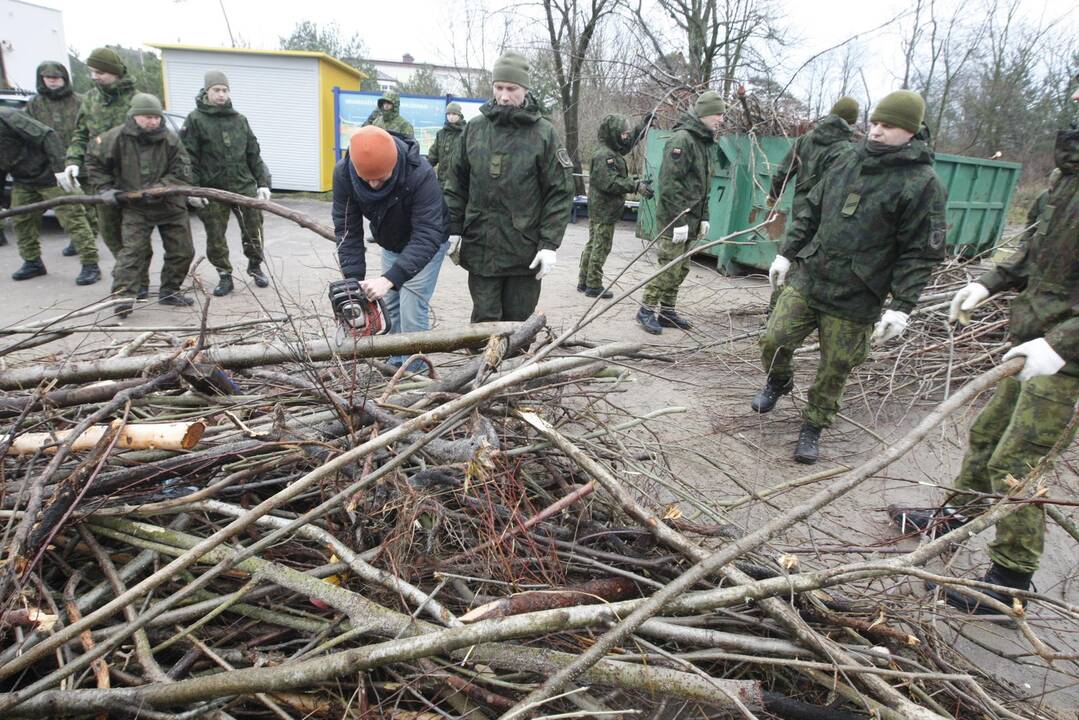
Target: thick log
(140, 436)
(245, 356)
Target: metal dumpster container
(979, 192)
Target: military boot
(808, 445)
(254, 269)
(599, 292)
(581, 287)
(177, 299)
(997, 575)
(143, 293)
(124, 309)
(648, 321)
(29, 269)
(929, 521)
(3, 236)
(224, 285)
(70, 250)
(769, 395)
(669, 317)
(90, 274)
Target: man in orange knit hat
(384, 178)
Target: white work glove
(69, 179)
(263, 193)
(777, 273)
(702, 234)
(680, 234)
(545, 259)
(891, 325)
(1042, 359)
(454, 249)
(965, 300)
(197, 202)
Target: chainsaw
(356, 315)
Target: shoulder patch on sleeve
(610, 162)
(563, 158)
(937, 237)
(676, 153)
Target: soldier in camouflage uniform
(685, 179)
(103, 108)
(509, 197)
(389, 117)
(608, 182)
(138, 155)
(57, 105)
(873, 226)
(1030, 414)
(225, 154)
(447, 146)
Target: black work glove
(110, 197)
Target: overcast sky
(420, 27)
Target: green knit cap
(512, 68)
(105, 59)
(214, 77)
(145, 104)
(709, 103)
(902, 108)
(454, 108)
(846, 107)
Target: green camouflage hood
(394, 110)
(830, 130)
(209, 108)
(42, 89)
(1067, 151)
(692, 124)
(527, 114)
(610, 133)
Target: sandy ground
(717, 448)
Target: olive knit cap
(846, 107)
(145, 104)
(105, 59)
(454, 108)
(902, 108)
(512, 68)
(709, 103)
(214, 77)
(373, 153)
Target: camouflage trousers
(133, 264)
(72, 219)
(110, 222)
(663, 289)
(600, 239)
(1019, 426)
(844, 345)
(507, 297)
(215, 218)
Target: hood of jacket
(43, 89)
(692, 124)
(527, 114)
(119, 89)
(458, 126)
(144, 136)
(830, 130)
(394, 100)
(916, 152)
(205, 106)
(1066, 152)
(610, 133)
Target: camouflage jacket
(127, 159)
(685, 176)
(390, 119)
(224, 151)
(59, 109)
(809, 156)
(31, 151)
(873, 225)
(510, 191)
(1046, 269)
(102, 109)
(608, 175)
(443, 152)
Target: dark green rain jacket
(608, 176)
(809, 156)
(103, 108)
(224, 151)
(685, 176)
(390, 119)
(128, 159)
(59, 109)
(444, 151)
(30, 150)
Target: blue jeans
(410, 307)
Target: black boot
(598, 292)
(90, 274)
(254, 269)
(177, 299)
(143, 293)
(224, 285)
(3, 237)
(808, 445)
(124, 309)
(930, 521)
(669, 317)
(581, 287)
(769, 395)
(997, 575)
(29, 269)
(648, 321)
(70, 250)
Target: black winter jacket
(412, 220)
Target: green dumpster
(979, 192)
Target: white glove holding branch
(69, 179)
(680, 234)
(197, 202)
(263, 193)
(703, 232)
(777, 273)
(965, 300)
(891, 324)
(453, 248)
(1042, 359)
(546, 260)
